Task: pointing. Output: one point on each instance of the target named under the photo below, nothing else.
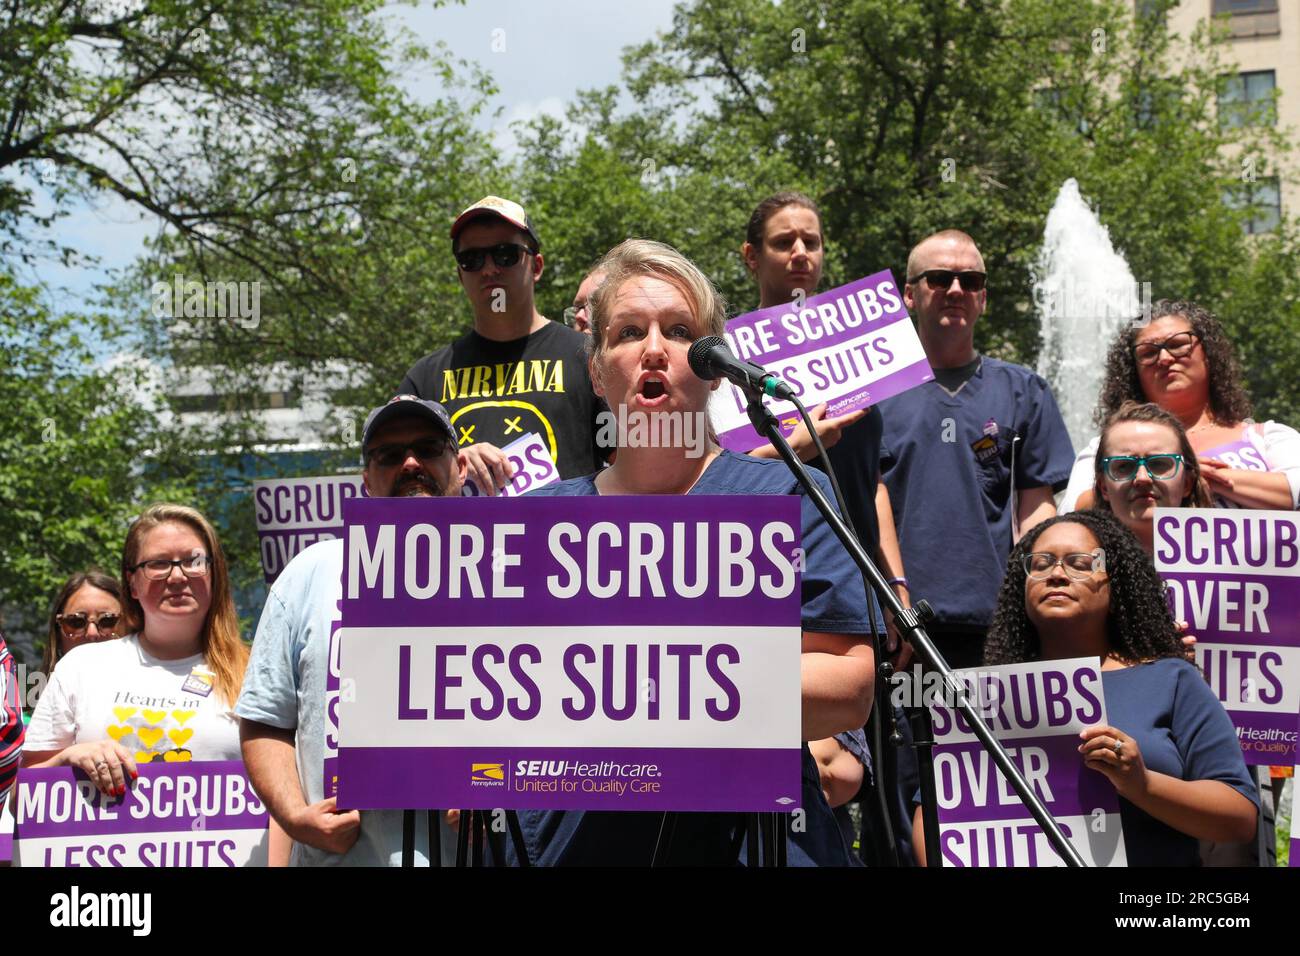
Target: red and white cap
(511, 212)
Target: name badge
(985, 449)
(199, 682)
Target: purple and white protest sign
(534, 468)
(1036, 711)
(180, 814)
(850, 347)
(607, 653)
(295, 513)
(1234, 577)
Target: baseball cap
(511, 212)
(405, 406)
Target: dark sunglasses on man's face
(387, 456)
(74, 624)
(940, 280)
(504, 254)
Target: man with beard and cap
(408, 449)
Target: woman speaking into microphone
(652, 306)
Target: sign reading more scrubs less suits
(617, 653)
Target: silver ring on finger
(1119, 748)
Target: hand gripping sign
(183, 814)
(1036, 711)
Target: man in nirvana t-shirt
(515, 371)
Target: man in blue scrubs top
(971, 459)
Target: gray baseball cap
(406, 406)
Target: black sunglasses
(940, 280)
(504, 254)
(427, 449)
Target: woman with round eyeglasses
(164, 692)
(1183, 362)
(87, 609)
(1080, 586)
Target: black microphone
(711, 358)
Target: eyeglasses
(1125, 467)
(159, 569)
(571, 313)
(940, 280)
(386, 456)
(73, 624)
(1079, 565)
(1178, 346)
(504, 254)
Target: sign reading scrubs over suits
(849, 347)
(1036, 711)
(1234, 577)
(630, 653)
(294, 513)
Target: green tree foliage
(80, 453)
(902, 117)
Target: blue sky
(552, 48)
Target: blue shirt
(285, 687)
(948, 461)
(834, 601)
(1183, 732)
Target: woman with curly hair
(1079, 585)
(1183, 362)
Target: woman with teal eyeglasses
(1145, 461)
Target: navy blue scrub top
(947, 461)
(1183, 732)
(834, 601)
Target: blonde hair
(645, 257)
(223, 651)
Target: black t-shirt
(497, 392)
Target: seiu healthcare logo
(77, 909)
(487, 775)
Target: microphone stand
(911, 622)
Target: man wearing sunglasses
(515, 371)
(972, 458)
(408, 449)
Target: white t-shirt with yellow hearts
(158, 710)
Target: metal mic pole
(910, 622)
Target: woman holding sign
(652, 306)
(165, 692)
(1080, 586)
(1183, 361)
